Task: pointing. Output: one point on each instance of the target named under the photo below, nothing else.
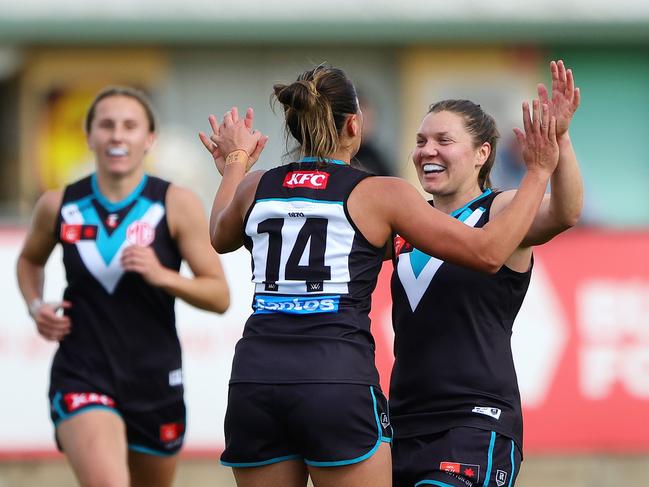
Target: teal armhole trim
(457, 212)
(300, 199)
(318, 159)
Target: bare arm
(560, 209)
(380, 206)
(38, 246)
(228, 212)
(236, 139)
(207, 289)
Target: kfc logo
(140, 233)
(306, 179)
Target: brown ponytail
(315, 108)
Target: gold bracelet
(236, 157)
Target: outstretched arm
(241, 146)
(560, 209)
(380, 206)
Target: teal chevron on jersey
(417, 269)
(109, 244)
(418, 261)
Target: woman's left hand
(144, 261)
(565, 97)
(233, 134)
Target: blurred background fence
(582, 339)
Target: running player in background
(116, 389)
(304, 394)
(454, 396)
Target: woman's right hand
(538, 143)
(49, 323)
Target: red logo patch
(171, 431)
(140, 233)
(400, 245)
(73, 233)
(306, 179)
(76, 400)
(89, 232)
(467, 470)
(70, 233)
(450, 467)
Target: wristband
(34, 305)
(236, 156)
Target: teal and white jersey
(314, 274)
(453, 361)
(123, 340)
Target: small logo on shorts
(76, 400)
(467, 470)
(385, 421)
(176, 377)
(487, 411)
(171, 431)
(501, 477)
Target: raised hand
(212, 148)
(218, 154)
(565, 96)
(539, 145)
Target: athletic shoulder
(386, 190)
(41, 236)
(501, 200)
(182, 197)
(47, 206)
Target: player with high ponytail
(304, 394)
